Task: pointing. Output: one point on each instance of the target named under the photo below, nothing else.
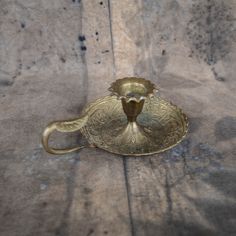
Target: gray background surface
(49, 71)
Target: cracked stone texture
(57, 56)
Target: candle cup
(132, 92)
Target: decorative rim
(150, 87)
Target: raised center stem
(132, 109)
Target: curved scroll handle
(63, 126)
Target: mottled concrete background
(58, 55)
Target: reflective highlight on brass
(131, 121)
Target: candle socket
(132, 92)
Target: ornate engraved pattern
(72, 125)
(164, 124)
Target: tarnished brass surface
(162, 126)
(132, 121)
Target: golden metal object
(131, 121)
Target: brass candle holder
(131, 121)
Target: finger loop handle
(63, 126)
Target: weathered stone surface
(56, 56)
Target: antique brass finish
(132, 92)
(131, 121)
